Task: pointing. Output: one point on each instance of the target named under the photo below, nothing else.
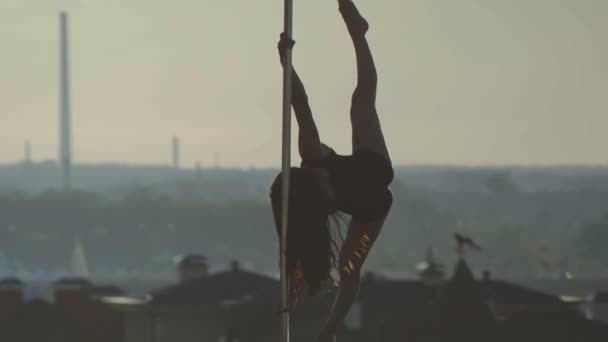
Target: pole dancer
(328, 183)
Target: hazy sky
(461, 82)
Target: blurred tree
(500, 183)
(593, 240)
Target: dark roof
(11, 281)
(462, 287)
(72, 281)
(395, 290)
(504, 291)
(461, 301)
(38, 321)
(106, 290)
(271, 297)
(262, 316)
(497, 290)
(214, 289)
(600, 297)
(462, 273)
(461, 282)
(553, 325)
(191, 259)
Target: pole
(286, 164)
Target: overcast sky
(461, 82)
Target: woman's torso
(360, 182)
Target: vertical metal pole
(286, 164)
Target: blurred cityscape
(166, 253)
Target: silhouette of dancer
(328, 183)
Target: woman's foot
(355, 23)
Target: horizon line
(249, 167)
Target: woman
(328, 183)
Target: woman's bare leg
(366, 129)
(353, 253)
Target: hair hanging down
(311, 251)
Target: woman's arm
(309, 142)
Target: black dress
(360, 182)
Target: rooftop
(216, 288)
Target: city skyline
(525, 90)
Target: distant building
(192, 267)
(195, 309)
(38, 320)
(462, 310)
(469, 309)
(75, 316)
(506, 299)
(596, 306)
(11, 297)
(430, 271)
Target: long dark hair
(311, 250)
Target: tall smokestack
(27, 152)
(64, 105)
(175, 144)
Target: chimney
(235, 266)
(11, 296)
(65, 155)
(175, 154)
(486, 275)
(192, 267)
